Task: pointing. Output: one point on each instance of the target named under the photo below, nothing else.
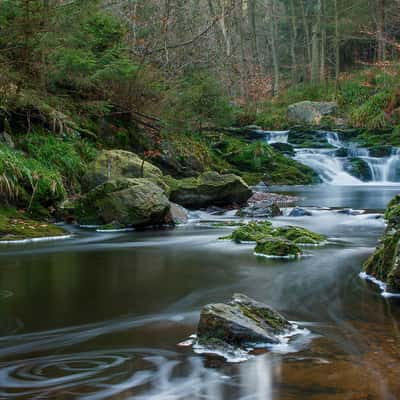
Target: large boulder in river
(311, 112)
(116, 164)
(358, 168)
(384, 264)
(126, 202)
(208, 189)
(242, 322)
(260, 209)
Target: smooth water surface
(99, 316)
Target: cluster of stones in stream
(384, 264)
(242, 323)
(282, 242)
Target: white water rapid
(336, 170)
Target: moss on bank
(16, 225)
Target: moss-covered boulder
(251, 232)
(128, 202)
(359, 168)
(381, 151)
(209, 188)
(116, 164)
(384, 264)
(310, 112)
(277, 247)
(241, 322)
(294, 233)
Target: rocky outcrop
(209, 188)
(260, 209)
(311, 112)
(116, 164)
(126, 202)
(384, 264)
(242, 322)
(277, 247)
(359, 168)
(177, 215)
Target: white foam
(115, 230)
(35, 240)
(291, 257)
(380, 284)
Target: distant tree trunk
(306, 36)
(293, 41)
(315, 45)
(323, 43)
(253, 29)
(337, 46)
(273, 44)
(380, 34)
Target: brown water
(99, 316)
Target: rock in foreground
(126, 202)
(261, 209)
(242, 322)
(208, 189)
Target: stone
(278, 247)
(299, 212)
(177, 215)
(241, 322)
(311, 112)
(116, 164)
(261, 209)
(208, 189)
(126, 202)
(359, 168)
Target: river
(99, 316)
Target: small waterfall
(275, 136)
(327, 166)
(333, 139)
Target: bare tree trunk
(315, 46)
(323, 43)
(380, 34)
(272, 40)
(337, 46)
(306, 36)
(293, 41)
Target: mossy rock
(116, 164)
(306, 241)
(380, 151)
(252, 232)
(210, 188)
(294, 233)
(311, 112)
(16, 225)
(342, 152)
(126, 202)
(278, 247)
(359, 168)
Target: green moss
(278, 247)
(306, 240)
(359, 168)
(15, 225)
(294, 233)
(251, 232)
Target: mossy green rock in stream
(359, 168)
(251, 232)
(115, 164)
(15, 225)
(209, 188)
(277, 247)
(242, 322)
(294, 233)
(127, 202)
(384, 264)
(380, 151)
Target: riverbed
(100, 315)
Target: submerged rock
(278, 247)
(126, 202)
(116, 164)
(311, 112)
(208, 189)
(261, 209)
(242, 322)
(299, 212)
(384, 264)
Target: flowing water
(99, 316)
(333, 169)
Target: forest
(159, 157)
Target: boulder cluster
(120, 189)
